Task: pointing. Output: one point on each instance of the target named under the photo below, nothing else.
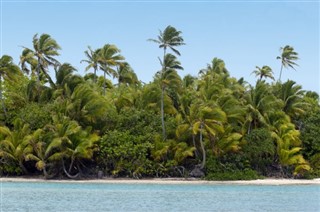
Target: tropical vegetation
(57, 123)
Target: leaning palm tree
(209, 121)
(7, 70)
(92, 60)
(27, 57)
(288, 56)
(44, 50)
(264, 72)
(109, 57)
(70, 143)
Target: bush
(259, 150)
(236, 175)
(123, 154)
(230, 167)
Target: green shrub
(230, 167)
(259, 150)
(235, 175)
(123, 154)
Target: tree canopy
(57, 123)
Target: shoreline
(171, 181)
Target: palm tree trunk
(104, 83)
(280, 72)
(162, 114)
(194, 144)
(24, 170)
(71, 165)
(202, 148)
(1, 99)
(95, 75)
(162, 97)
(38, 71)
(38, 79)
(67, 173)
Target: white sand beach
(268, 181)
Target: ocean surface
(50, 196)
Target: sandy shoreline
(170, 181)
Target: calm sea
(50, 196)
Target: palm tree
(209, 121)
(260, 102)
(126, 75)
(169, 38)
(109, 57)
(39, 141)
(70, 143)
(168, 78)
(288, 56)
(92, 60)
(7, 70)
(66, 81)
(44, 50)
(27, 57)
(292, 96)
(217, 67)
(86, 106)
(288, 147)
(265, 72)
(14, 145)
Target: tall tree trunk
(1, 99)
(202, 148)
(162, 114)
(38, 79)
(95, 75)
(162, 96)
(104, 83)
(194, 144)
(38, 71)
(280, 72)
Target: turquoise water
(49, 196)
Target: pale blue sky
(244, 34)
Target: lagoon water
(51, 196)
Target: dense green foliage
(56, 123)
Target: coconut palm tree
(288, 57)
(168, 78)
(27, 57)
(169, 38)
(209, 121)
(92, 60)
(108, 58)
(291, 95)
(70, 143)
(217, 67)
(126, 75)
(288, 148)
(44, 50)
(264, 72)
(39, 141)
(260, 102)
(14, 145)
(7, 70)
